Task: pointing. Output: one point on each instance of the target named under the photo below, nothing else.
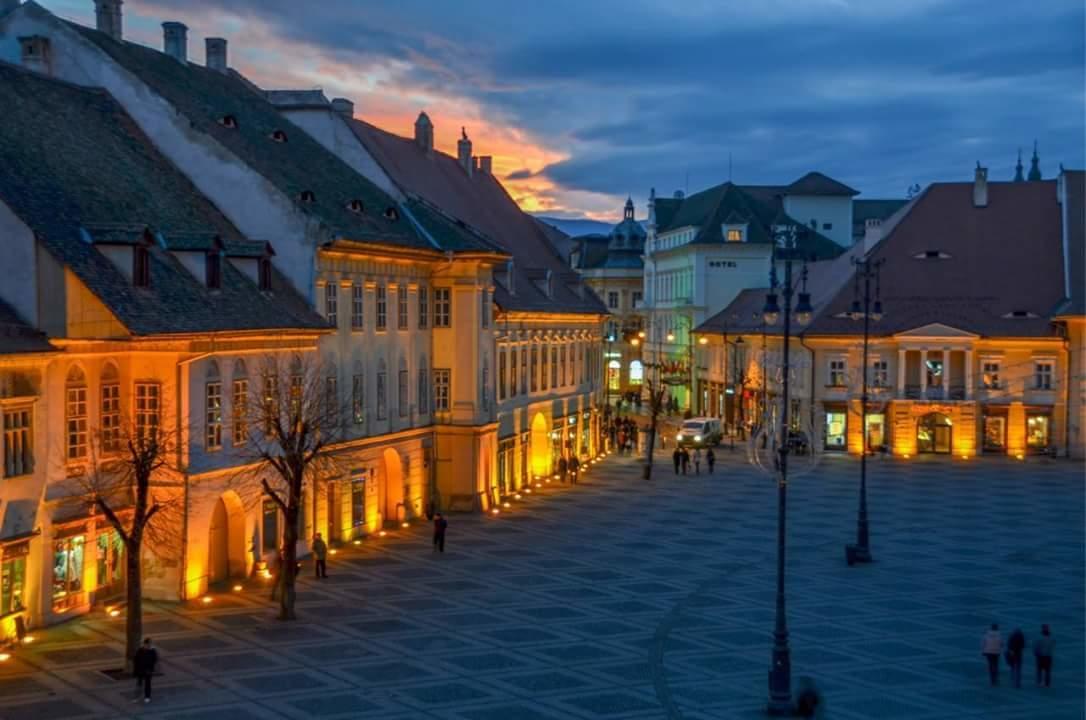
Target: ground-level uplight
(206, 599)
(28, 639)
(4, 657)
(382, 533)
(114, 612)
(495, 511)
(406, 525)
(333, 551)
(237, 588)
(356, 542)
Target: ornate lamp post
(780, 670)
(871, 309)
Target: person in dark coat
(677, 457)
(685, 460)
(1016, 648)
(143, 667)
(320, 556)
(991, 645)
(440, 525)
(574, 466)
(1042, 653)
(710, 459)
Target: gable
(935, 330)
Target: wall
(18, 272)
(833, 209)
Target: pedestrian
(710, 458)
(574, 466)
(808, 699)
(563, 467)
(143, 667)
(677, 458)
(440, 525)
(1042, 653)
(697, 461)
(320, 556)
(991, 647)
(1016, 647)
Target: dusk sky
(583, 102)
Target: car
(699, 432)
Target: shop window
(876, 431)
(269, 528)
(836, 423)
(13, 579)
(68, 572)
(358, 501)
(110, 561)
(995, 433)
(1037, 431)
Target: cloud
(582, 103)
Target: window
(484, 309)
(535, 368)
(403, 391)
(543, 373)
(110, 556)
(614, 371)
(308, 197)
(442, 307)
(554, 366)
(358, 398)
(423, 390)
(512, 372)
(1042, 375)
(637, 372)
(281, 137)
(76, 414)
(382, 308)
(836, 424)
(735, 235)
(264, 269)
(484, 394)
(147, 406)
(501, 375)
(18, 450)
(13, 579)
(564, 364)
(636, 298)
(382, 393)
(827, 226)
(109, 412)
(990, 374)
(269, 534)
(141, 266)
(612, 300)
(240, 402)
(1037, 432)
(424, 307)
(934, 369)
(213, 416)
(880, 374)
(401, 307)
(331, 400)
(68, 572)
(524, 371)
(271, 403)
(838, 369)
(331, 303)
(358, 307)
(441, 390)
(358, 501)
(213, 270)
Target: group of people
(992, 646)
(682, 459)
(569, 469)
(625, 435)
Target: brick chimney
(107, 15)
(486, 164)
(872, 233)
(424, 132)
(175, 40)
(463, 152)
(215, 54)
(343, 107)
(980, 186)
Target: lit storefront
(836, 429)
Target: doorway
(541, 446)
(394, 509)
(933, 434)
(226, 539)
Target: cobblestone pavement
(625, 599)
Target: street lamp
(780, 670)
(868, 311)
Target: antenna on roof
(729, 167)
(686, 186)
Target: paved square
(625, 599)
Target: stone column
(901, 377)
(968, 374)
(947, 355)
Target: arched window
(109, 409)
(239, 402)
(213, 407)
(76, 413)
(637, 372)
(614, 372)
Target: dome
(627, 234)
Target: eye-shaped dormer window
(279, 136)
(308, 197)
(392, 213)
(229, 121)
(356, 206)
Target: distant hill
(574, 227)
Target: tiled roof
(987, 264)
(481, 202)
(17, 336)
(710, 209)
(79, 172)
(815, 183)
(299, 164)
(864, 210)
(1076, 242)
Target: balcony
(934, 393)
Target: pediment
(936, 330)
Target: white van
(699, 432)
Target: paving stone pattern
(625, 599)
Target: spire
(628, 211)
(1018, 176)
(1035, 165)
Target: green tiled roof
(80, 173)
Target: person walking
(677, 458)
(143, 667)
(574, 466)
(440, 526)
(563, 468)
(991, 647)
(685, 460)
(710, 459)
(697, 461)
(1016, 648)
(1042, 653)
(320, 556)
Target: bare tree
(293, 418)
(133, 480)
(657, 390)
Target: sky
(583, 102)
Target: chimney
(343, 107)
(463, 151)
(175, 40)
(424, 132)
(486, 164)
(215, 54)
(107, 14)
(872, 233)
(980, 186)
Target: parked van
(699, 432)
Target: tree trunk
(133, 626)
(288, 572)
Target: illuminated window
(637, 372)
(331, 303)
(442, 307)
(1042, 375)
(13, 579)
(735, 235)
(1037, 431)
(76, 414)
(614, 375)
(68, 572)
(109, 410)
(990, 374)
(18, 449)
(442, 382)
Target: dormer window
(392, 213)
(229, 121)
(264, 270)
(213, 270)
(735, 232)
(279, 136)
(932, 255)
(308, 197)
(141, 266)
(356, 206)
(1020, 314)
